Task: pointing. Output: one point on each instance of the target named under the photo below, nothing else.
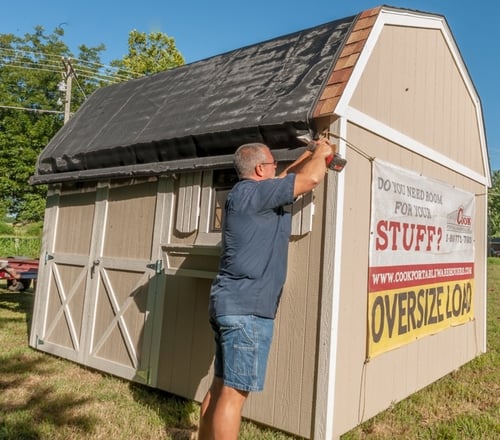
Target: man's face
(268, 167)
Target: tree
(34, 72)
(149, 53)
(31, 105)
(494, 205)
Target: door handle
(92, 269)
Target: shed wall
(104, 300)
(412, 85)
(186, 346)
(366, 388)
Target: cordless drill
(334, 162)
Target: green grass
(20, 240)
(44, 397)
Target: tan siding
(129, 223)
(364, 389)
(412, 84)
(74, 223)
(352, 328)
(186, 351)
(186, 342)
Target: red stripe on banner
(395, 277)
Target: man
(245, 294)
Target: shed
(386, 287)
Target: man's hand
(311, 167)
(323, 148)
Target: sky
(204, 28)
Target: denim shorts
(242, 344)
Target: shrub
(6, 229)
(34, 229)
(11, 246)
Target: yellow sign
(397, 317)
(421, 267)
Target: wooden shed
(386, 287)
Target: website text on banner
(421, 268)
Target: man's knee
(233, 396)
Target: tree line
(33, 96)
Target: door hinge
(157, 266)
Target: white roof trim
(381, 129)
(406, 18)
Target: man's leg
(205, 429)
(221, 412)
(227, 413)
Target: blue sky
(203, 28)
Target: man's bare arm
(310, 167)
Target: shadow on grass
(176, 412)
(29, 405)
(18, 302)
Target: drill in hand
(335, 162)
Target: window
(222, 181)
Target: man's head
(254, 161)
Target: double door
(99, 278)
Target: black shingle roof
(197, 115)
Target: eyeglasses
(274, 162)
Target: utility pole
(68, 80)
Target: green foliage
(31, 109)
(494, 205)
(13, 246)
(34, 72)
(34, 229)
(6, 229)
(20, 240)
(150, 53)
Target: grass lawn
(44, 397)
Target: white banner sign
(421, 270)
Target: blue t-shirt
(254, 257)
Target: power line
(16, 52)
(32, 68)
(89, 74)
(77, 60)
(49, 67)
(35, 110)
(21, 62)
(23, 59)
(99, 65)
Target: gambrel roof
(196, 115)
